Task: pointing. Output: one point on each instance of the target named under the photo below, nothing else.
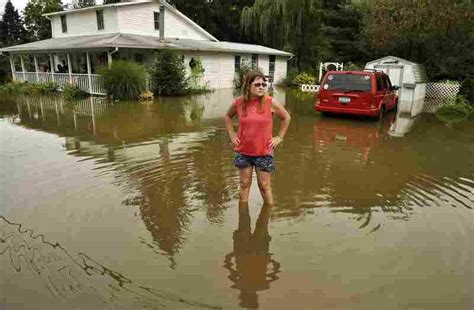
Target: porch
(75, 68)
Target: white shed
(409, 76)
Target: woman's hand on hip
(235, 140)
(275, 141)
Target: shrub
(304, 78)
(124, 80)
(72, 91)
(240, 74)
(14, 88)
(169, 74)
(467, 90)
(454, 112)
(41, 88)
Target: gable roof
(125, 40)
(96, 7)
(193, 24)
(162, 2)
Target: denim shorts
(262, 163)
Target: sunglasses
(264, 85)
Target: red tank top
(255, 128)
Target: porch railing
(92, 86)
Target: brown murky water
(135, 206)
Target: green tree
(11, 33)
(341, 28)
(169, 74)
(219, 17)
(292, 25)
(38, 26)
(438, 34)
(79, 4)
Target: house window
(156, 16)
(139, 58)
(237, 63)
(254, 61)
(100, 19)
(63, 23)
(271, 66)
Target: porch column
(23, 67)
(89, 72)
(52, 66)
(109, 59)
(36, 67)
(12, 65)
(69, 68)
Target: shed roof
(418, 70)
(125, 40)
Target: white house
(85, 39)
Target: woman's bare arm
(231, 112)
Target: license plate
(344, 99)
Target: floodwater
(135, 206)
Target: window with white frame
(100, 19)
(63, 23)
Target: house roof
(164, 3)
(125, 40)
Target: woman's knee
(245, 184)
(264, 185)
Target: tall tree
(38, 26)
(11, 33)
(292, 25)
(438, 34)
(341, 29)
(79, 4)
(11, 26)
(219, 17)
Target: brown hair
(248, 80)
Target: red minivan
(367, 93)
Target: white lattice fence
(441, 90)
(439, 94)
(310, 88)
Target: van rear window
(355, 82)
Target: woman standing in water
(254, 142)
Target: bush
(169, 74)
(240, 74)
(73, 92)
(305, 78)
(14, 88)
(289, 80)
(467, 90)
(41, 88)
(124, 80)
(454, 112)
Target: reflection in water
(254, 268)
(171, 161)
(67, 277)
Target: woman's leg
(245, 182)
(264, 184)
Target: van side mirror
(395, 87)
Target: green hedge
(124, 80)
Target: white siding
(280, 69)
(84, 23)
(263, 63)
(219, 68)
(138, 19)
(176, 27)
